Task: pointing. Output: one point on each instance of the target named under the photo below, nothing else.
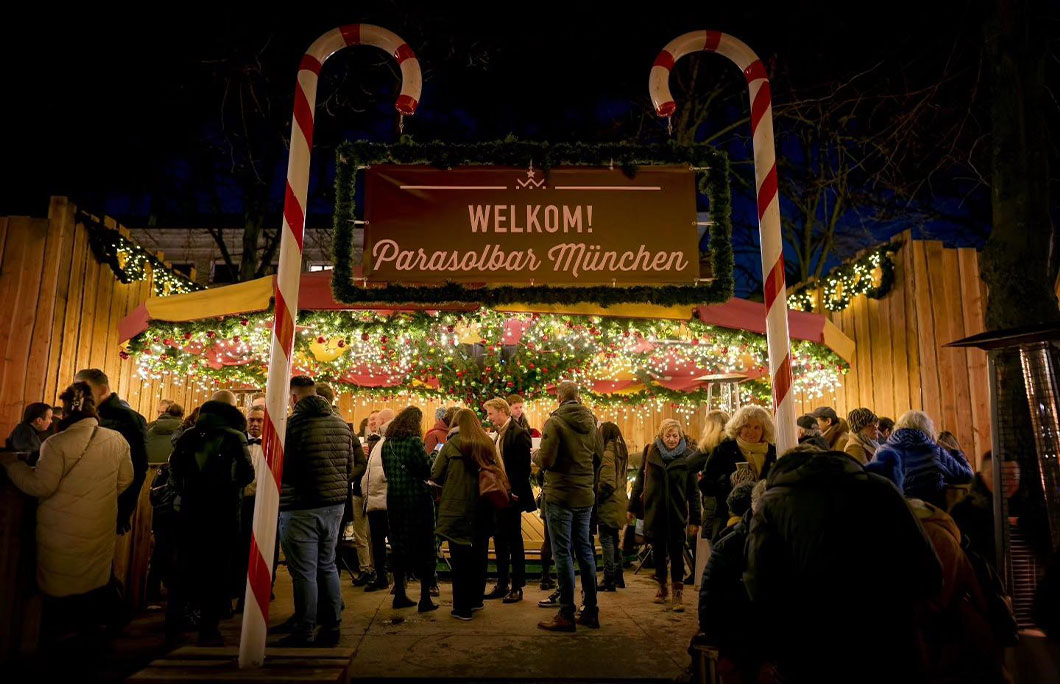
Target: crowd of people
(841, 556)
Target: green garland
(846, 281)
(132, 264)
(466, 355)
(714, 183)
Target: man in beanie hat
(833, 428)
(809, 434)
(862, 441)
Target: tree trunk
(1015, 262)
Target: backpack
(1002, 620)
(164, 499)
(493, 487)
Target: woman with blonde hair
(665, 496)
(464, 519)
(745, 455)
(713, 431)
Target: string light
(872, 276)
(621, 363)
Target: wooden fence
(901, 362)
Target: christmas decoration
(872, 275)
(132, 263)
(712, 168)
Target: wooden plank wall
(64, 310)
(901, 363)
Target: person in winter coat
(833, 428)
(885, 427)
(115, 414)
(317, 467)
(837, 569)
(861, 441)
(750, 441)
(974, 514)
(160, 434)
(570, 456)
(80, 474)
(957, 628)
(809, 433)
(515, 403)
(712, 435)
(373, 487)
(612, 501)
(914, 461)
(208, 469)
(34, 428)
(437, 434)
(726, 616)
(409, 507)
(465, 519)
(665, 496)
(513, 446)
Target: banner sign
(571, 226)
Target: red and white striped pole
(768, 201)
(267, 505)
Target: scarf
(755, 453)
(869, 445)
(668, 455)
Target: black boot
(620, 581)
(608, 583)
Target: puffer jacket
(570, 455)
(318, 457)
(665, 495)
(373, 484)
(921, 468)
(611, 497)
(78, 488)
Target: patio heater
(1024, 364)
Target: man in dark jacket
(570, 456)
(837, 568)
(317, 467)
(160, 434)
(117, 415)
(513, 444)
(27, 435)
(208, 469)
(810, 433)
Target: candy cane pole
(768, 201)
(266, 507)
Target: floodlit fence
(901, 362)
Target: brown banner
(572, 226)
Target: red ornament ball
(530, 366)
(321, 340)
(341, 344)
(123, 355)
(364, 337)
(244, 322)
(168, 341)
(384, 339)
(211, 334)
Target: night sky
(158, 121)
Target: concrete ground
(638, 640)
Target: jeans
(673, 546)
(309, 539)
(469, 574)
(569, 529)
(546, 551)
(510, 551)
(612, 551)
(378, 529)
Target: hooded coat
(78, 484)
(665, 495)
(920, 467)
(570, 454)
(824, 528)
(318, 457)
(210, 465)
(435, 436)
(115, 414)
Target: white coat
(373, 483)
(78, 511)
